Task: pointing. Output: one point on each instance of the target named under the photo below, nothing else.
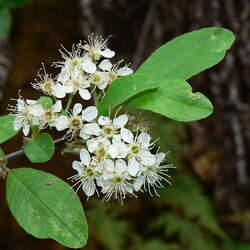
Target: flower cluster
(82, 70)
(118, 162)
(113, 160)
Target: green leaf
(45, 101)
(123, 89)
(6, 127)
(15, 3)
(5, 22)
(40, 148)
(188, 54)
(174, 99)
(46, 207)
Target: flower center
(135, 149)
(109, 131)
(49, 116)
(75, 123)
(89, 172)
(74, 62)
(112, 76)
(46, 86)
(100, 152)
(95, 79)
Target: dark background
(216, 149)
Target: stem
(96, 97)
(21, 151)
(69, 102)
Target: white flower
(28, 113)
(108, 73)
(113, 70)
(151, 176)
(99, 79)
(97, 47)
(100, 147)
(49, 115)
(75, 122)
(139, 147)
(117, 183)
(76, 62)
(105, 127)
(48, 85)
(77, 82)
(118, 150)
(87, 173)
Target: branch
(21, 151)
(144, 33)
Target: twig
(145, 30)
(21, 151)
(5, 63)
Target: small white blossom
(87, 173)
(151, 176)
(50, 115)
(105, 127)
(113, 70)
(28, 113)
(75, 62)
(97, 47)
(78, 82)
(75, 122)
(48, 85)
(139, 147)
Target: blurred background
(208, 206)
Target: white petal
(116, 139)
(68, 89)
(77, 166)
(30, 102)
(105, 65)
(92, 129)
(90, 113)
(124, 71)
(109, 165)
(92, 145)
(120, 121)
(133, 167)
(120, 166)
(89, 188)
(103, 120)
(144, 139)
(118, 150)
(77, 109)
(62, 122)
(83, 135)
(102, 85)
(147, 158)
(36, 110)
(26, 129)
(107, 53)
(57, 107)
(85, 157)
(138, 183)
(18, 123)
(159, 158)
(89, 67)
(84, 93)
(20, 105)
(127, 135)
(58, 91)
